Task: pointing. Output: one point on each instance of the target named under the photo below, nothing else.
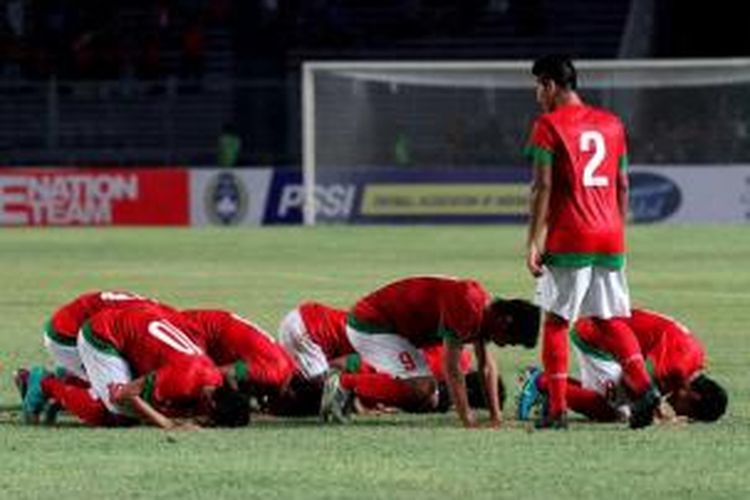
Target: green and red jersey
(673, 354)
(67, 320)
(585, 147)
(424, 309)
(326, 326)
(230, 338)
(159, 344)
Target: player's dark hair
(231, 408)
(525, 318)
(557, 68)
(712, 400)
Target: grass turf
(698, 274)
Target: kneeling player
(244, 351)
(676, 359)
(315, 335)
(145, 364)
(388, 326)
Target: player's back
(229, 337)
(419, 307)
(146, 337)
(588, 154)
(673, 351)
(68, 318)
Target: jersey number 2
(591, 140)
(173, 337)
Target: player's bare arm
(541, 188)
(622, 194)
(128, 395)
(487, 366)
(456, 382)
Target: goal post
(374, 117)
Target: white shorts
(104, 369)
(65, 356)
(389, 353)
(294, 339)
(573, 292)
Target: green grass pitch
(699, 274)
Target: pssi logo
(226, 199)
(653, 197)
(332, 201)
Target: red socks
(382, 388)
(584, 401)
(618, 338)
(555, 362)
(77, 400)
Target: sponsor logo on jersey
(653, 197)
(226, 199)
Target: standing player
(576, 242)
(388, 326)
(676, 359)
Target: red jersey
(585, 147)
(423, 309)
(230, 338)
(674, 355)
(158, 344)
(146, 338)
(434, 356)
(326, 327)
(66, 321)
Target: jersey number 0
(173, 337)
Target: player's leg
(64, 352)
(608, 304)
(560, 292)
(293, 337)
(596, 395)
(104, 367)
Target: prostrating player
(676, 358)
(315, 335)
(145, 363)
(61, 330)
(243, 350)
(576, 242)
(388, 326)
(61, 337)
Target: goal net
(383, 117)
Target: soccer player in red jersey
(244, 351)
(676, 359)
(61, 330)
(315, 335)
(576, 242)
(146, 363)
(388, 326)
